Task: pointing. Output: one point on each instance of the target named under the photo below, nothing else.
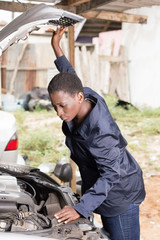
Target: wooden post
(3, 71)
(71, 44)
(12, 82)
(71, 59)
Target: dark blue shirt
(111, 177)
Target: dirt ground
(150, 210)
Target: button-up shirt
(111, 177)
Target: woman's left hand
(67, 214)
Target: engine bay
(23, 208)
(28, 201)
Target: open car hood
(33, 19)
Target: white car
(9, 139)
(15, 236)
(29, 198)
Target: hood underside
(33, 19)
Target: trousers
(124, 226)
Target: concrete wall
(142, 42)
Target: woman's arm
(55, 41)
(62, 63)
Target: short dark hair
(67, 82)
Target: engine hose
(47, 221)
(38, 207)
(32, 218)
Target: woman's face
(66, 105)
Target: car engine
(28, 202)
(18, 209)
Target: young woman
(112, 182)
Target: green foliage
(149, 112)
(42, 143)
(43, 146)
(40, 140)
(146, 120)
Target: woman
(112, 183)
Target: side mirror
(63, 172)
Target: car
(9, 139)
(29, 199)
(14, 236)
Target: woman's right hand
(56, 37)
